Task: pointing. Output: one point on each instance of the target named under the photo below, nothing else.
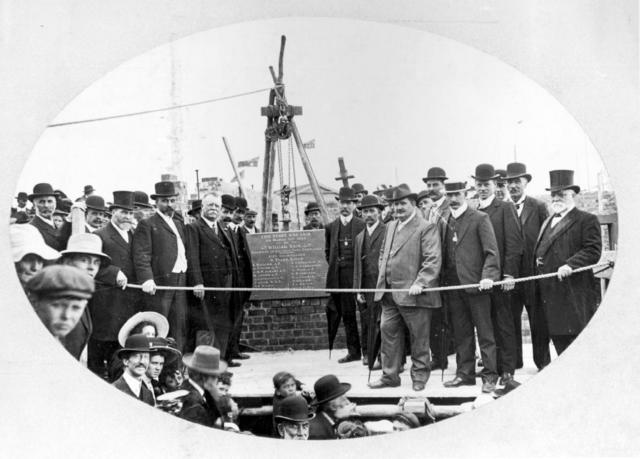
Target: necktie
(145, 394)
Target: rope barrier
(608, 264)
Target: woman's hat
(26, 239)
(294, 408)
(205, 360)
(40, 190)
(159, 321)
(562, 179)
(135, 343)
(327, 388)
(86, 243)
(164, 190)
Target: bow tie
(518, 205)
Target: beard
(558, 207)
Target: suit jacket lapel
(164, 225)
(527, 209)
(377, 233)
(405, 233)
(462, 225)
(209, 232)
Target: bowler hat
(196, 206)
(26, 239)
(310, 207)
(205, 360)
(455, 187)
(346, 194)
(422, 195)
(515, 170)
(40, 190)
(88, 189)
(402, 191)
(95, 202)
(86, 243)
(121, 200)
(328, 388)
(485, 172)
(159, 321)
(164, 190)
(359, 188)
(502, 174)
(562, 179)
(371, 200)
(294, 408)
(22, 195)
(241, 203)
(141, 200)
(135, 343)
(57, 281)
(161, 346)
(435, 173)
(228, 202)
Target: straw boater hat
(328, 388)
(346, 194)
(371, 200)
(400, 192)
(455, 187)
(485, 172)
(133, 344)
(122, 200)
(435, 173)
(516, 170)
(164, 190)
(86, 243)
(159, 321)
(562, 179)
(96, 202)
(205, 360)
(295, 409)
(141, 200)
(41, 190)
(26, 239)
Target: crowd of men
(394, 241)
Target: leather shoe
(349, 358)
(458, 381)
(232, 364)
(418, 386)
(242, 356)
(379, 384)
(488, 386)
(505, 378)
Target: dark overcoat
(365, 268)
(331, 247)
(320, 428)
(506, 228)
(54, 238)
(197, 408)
(533, 215)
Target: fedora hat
(95, 202)
(371, 200)
(516, 170)
(141, 200)
(435, 173)
(40, 190)
(196, 206)
(359, 188)
(327, 388)
(485, 172)
(159, 321)
(294, 408)
(400, 192)
(310, 207)
(26, 239)
(455, 187)
(422, 195)
(562, 179)
(346, 194)
(164, 190)
(241, 203)
(162, 346)
(86, 243)
(121, 200)
(205, 360)
(135, 343)
(228, 202)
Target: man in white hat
(29, 252)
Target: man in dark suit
(332, 405)
(470, 256)
(44, 202)
(249, 223)
(159, 257)
(96, 212)
(506, 228)
(340, 237)
(135, 359)
(569, 239)
(365, 270)
(531, 213)
(410, 260)
(313, 216)
(112, 305)
(210, 265)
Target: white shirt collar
(460, 210)
(484, 203)
(165, 217)
(521, 200)
(90, 228)
(134, 384)
(250, 230)
(372, 228)
(124, 234)
(208, 222)
(346, 220)
(197, 386)
(565, 212)
(46, 220)
(402, 224)
(440, 201)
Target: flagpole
(235, 169)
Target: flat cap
(59, 281)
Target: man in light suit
(410, 259)
(531, 213)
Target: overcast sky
(392, 101)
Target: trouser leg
(348, 311)
(437, 338)
(503, 327)
(539, 336)
(517, 302)
(418, 321)
(463, 332)
(480, 306)
(364, 326)
(392, 334)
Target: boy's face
(288, 388)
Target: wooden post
(344, 175)
(235, 169)
(197, 184)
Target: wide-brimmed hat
(196, 206)
(502, 175)
(516, 170)
(135, 343)
(359, 188)
(562, 179)
(60, 281)
(241, 203)
(164, 189)
(402, 191)
(228, 202)
(86, 243)
(485, 172)
(435, 173)
(26, 239)
(346, 194)
(162, 346)
(205, 360)
(95, 202)
(22, 195)
(159, 321)
(141, 200)
(121, 200)
(294, 408)
(88, 189)
(40, 190)
(328, 388)
(422, 195)
(310, 207)
(371, 200)
(455, 187)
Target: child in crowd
(285, 385)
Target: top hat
(455, 187)
(41, 189)
(162, 346)
(86, 243)
(485, 172)
(88, 189)
(328, 388)
(121, 200)
(22, 195)
(159, 321)
(205, 360)
(400, 192)
(371, 200)
(562, 179)
(294, 408)
(196, 206)
(359, 188)
(310, 207)
(135, 343)
(241, 203)
(26, 239)
(58, 281)
(435, 173)
(515, 170)
(141, 200)
(96, 203)
(164, 190)
(346, 194)
(228, 202)
(502, 174)
(422, 195)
